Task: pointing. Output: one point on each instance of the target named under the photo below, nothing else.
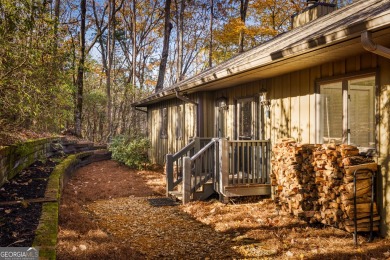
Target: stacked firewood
(363, 195)
(292, 174)
(316, 182)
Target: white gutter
(371, 46)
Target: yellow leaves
(230, 32)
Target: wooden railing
(228, 163)
(248, 161)
(243, 163)
(174, 162)
(199, 169)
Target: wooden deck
(234, 168)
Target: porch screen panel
(361, 117)
(331, 98)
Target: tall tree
(80, 71)
(134, 36)
(211, 33)
(106, 31)
(165, 50)
(243, 12)
(110, 47)
(179, 36)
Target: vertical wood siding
(293, 113)
(162, 146)
(383, 136)
(293, 106)
(293, 101)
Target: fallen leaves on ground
(105, 214)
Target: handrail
(199, 169)
(231, 163)
(175, 162)
(185, 150)
(201, 151)
(248, 141)
(174, 166)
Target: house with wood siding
(325, 81)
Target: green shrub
(132, 152)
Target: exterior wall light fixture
(222, 102)
(266, 103)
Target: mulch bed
(20, 205)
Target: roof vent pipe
(369, 45)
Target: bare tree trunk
(134, 22)
(164, 56)
(180, 35)
(110, 56)
(243, 11)
(56, 22)
(57, 4)
(80, 72)
(211, 33)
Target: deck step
(176, 195)
(247, 190)
(206, 191)
(203, 193)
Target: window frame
(344, 80)
(164, 123)
(179, 122)
(254, 116)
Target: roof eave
(311, 44)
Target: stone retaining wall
(47, 230)
(14, 158)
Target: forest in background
(77, 65)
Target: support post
(186, 180)
(169, 173)
(268, 158)
(216, 161)
(223, 166)
(197, 144)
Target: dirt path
(106, 213)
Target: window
(179, 119)
(164, 123)
(347, 112)
(246, 119)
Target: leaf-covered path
(106, 214)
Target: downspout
(187, 100)
(139, 109)
(369, 45)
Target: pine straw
(260, 231)
(105, 214)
